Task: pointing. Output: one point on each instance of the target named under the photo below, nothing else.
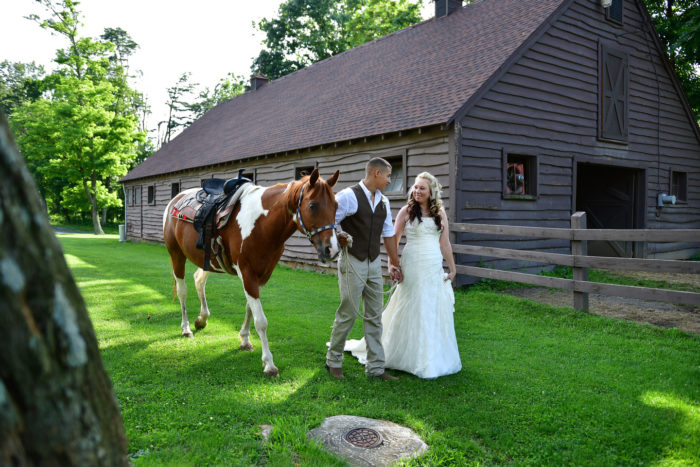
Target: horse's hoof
(272, 372)
(188, 334)
(199, 323)
(247, 346)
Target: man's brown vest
(365, 226)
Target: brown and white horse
(264, 219)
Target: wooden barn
(526, 110)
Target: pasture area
(539, 386)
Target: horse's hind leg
(200, 281)
(244, 335)
(178, 261)
(182, 295)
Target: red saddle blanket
(187, 206)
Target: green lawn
(539, 385)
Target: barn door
(610, 197)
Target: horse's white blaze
(335, 248)
(251, 210)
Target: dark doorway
(613, 198)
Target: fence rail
(580, 261)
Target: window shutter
(614, 95)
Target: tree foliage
(678, 25)
(179, 113)
(227, 88)
(19, 83)
(82, 134)
(185, 104)
(307, 31)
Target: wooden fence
(580, 262)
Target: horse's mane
(293, 188)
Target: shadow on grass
(539, 385)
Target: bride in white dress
(418, 333)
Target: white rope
(356, 307)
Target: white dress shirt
(347, 206)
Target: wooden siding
(425, 151)
(547, 104)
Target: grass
(539, 385)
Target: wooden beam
(594, 262)
(579, 248)
(513, 230)
(637, 235)
(566, 284)
(643, 293)
(523, 255)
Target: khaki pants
(365, 289)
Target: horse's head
(315, 214)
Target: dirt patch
(663, 314)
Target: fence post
(579, 247)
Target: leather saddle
(215, 194)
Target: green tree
(227, 88)
(180, 114)
(678, 25)
(75, 137)
(307, 31)
(19, 83)
(84, 132)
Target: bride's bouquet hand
(450, 276)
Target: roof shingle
(417, 77)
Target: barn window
(519, 176)
(397, 185)
(679, 185)
(137, 196)
(250, 175)
(174, 189)
(613, 108)
(127, 197)
(614, 11)
(151, 194)
(300, 172)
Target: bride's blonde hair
(434, 204)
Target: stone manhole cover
(350, 437)
(363, 438)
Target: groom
(364, 215)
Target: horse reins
(300, 222)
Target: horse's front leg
(244, 335)
(200, 281)
(182, 295)
(261, 327)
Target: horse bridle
(303, 228)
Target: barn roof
(417, 77)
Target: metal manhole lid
(363, 437)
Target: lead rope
(356, 308)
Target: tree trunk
(92, 197)
(57, 404)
